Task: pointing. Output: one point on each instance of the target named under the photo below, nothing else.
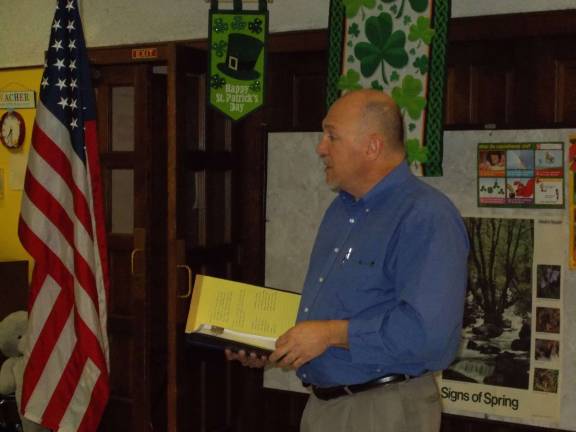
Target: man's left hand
(307, 340)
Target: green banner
(237, 60)
(396, 46)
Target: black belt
(327, 393)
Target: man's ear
(375, 146)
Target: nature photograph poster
(508, 364)
(496, 328)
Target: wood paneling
(13, 287)
(566, 91)
(512, 71)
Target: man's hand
(251, 360)
(307, 340)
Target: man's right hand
(251, 360)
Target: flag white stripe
(60, 136)
(64, 362)
(44, 229)
(99, 278)
(81, 398)
(34, 220)
(86, 309)
(41, 309)
(51, 181)
(52, 371)
(58, 189)
(55, 241)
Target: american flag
(65, 384)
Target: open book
(227, 314)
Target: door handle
(132, 256)
(189, 270)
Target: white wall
(25, 25)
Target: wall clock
(12, 130)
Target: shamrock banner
(237, 60)
(397, 46)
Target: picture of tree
(497, 318)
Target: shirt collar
(395, 177)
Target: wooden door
(130, 136)
(202, 239)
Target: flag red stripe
(59, 217)
(98, 205)
(96, 407)
(56, 158)
(89, 343)
(64, 391)
(62, 226)
(51, 208)
(58, 315)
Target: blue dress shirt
(393, 263)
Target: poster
(521, 174)
(572, 198)
(509, 358)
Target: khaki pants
(408, 406)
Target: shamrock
(255, 26)
(353, 6)
(216, 81)
(412, 51)
(407, 20)
(407, 97)
(376, 85)
(354, 30)
(421, 31)
(421, 63)
(219, 48)
(394, 9)
(417, 5)
(220, 26)
(411, 127)
(415, 152)
(350, 81)
(394, 76)
(255, 86)
(351, 58)
(384, 46)
(238, 23)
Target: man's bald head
(378, 113)
(362, 141)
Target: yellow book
(227, 314)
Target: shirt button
(304, 376)
(306, 310)
(351, 220)
(367, 210)
(320, 279)
(336, 250)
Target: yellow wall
(10, 248)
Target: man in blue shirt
(383, 298)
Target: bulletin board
(13, 163)
(538, 330)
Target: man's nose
(321, 146)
